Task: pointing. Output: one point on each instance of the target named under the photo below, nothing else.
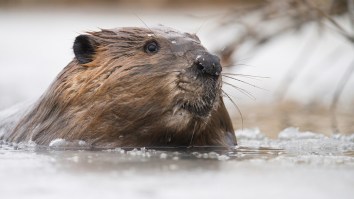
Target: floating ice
(62, 143)
(252, 134)
(348, 138)
(58, 143)
(163, 155)
(301, 143)
(294, 133)
(223, 157)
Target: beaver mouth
(200, 100)
(199, 91)
(198, 109)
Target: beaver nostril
(208, 64)
(200, 66)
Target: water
(295, 165)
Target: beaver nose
(208, 64)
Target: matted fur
(126, 97)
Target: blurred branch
(264, 22)
(257, 19)
(351, 13)
(297, 67)
(344, 80)
(331, 20)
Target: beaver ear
(84, 48)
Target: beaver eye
(151, 47)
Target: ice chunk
(250, 134)
(292, 133)
(58, 143)
(223, 157)
(163, 155)
(348, 138)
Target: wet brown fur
(128, 98)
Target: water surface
(295, 165)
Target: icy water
(295, 165)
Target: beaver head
(134, 87)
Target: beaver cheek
(177, 119)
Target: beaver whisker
(246, 76)
(199, 107)
(243, 91)
(145, 25)
(238, 65)
(235, 105)
(250, 84)
(192, 136)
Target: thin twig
(344, 32)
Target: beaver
(133, 87)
